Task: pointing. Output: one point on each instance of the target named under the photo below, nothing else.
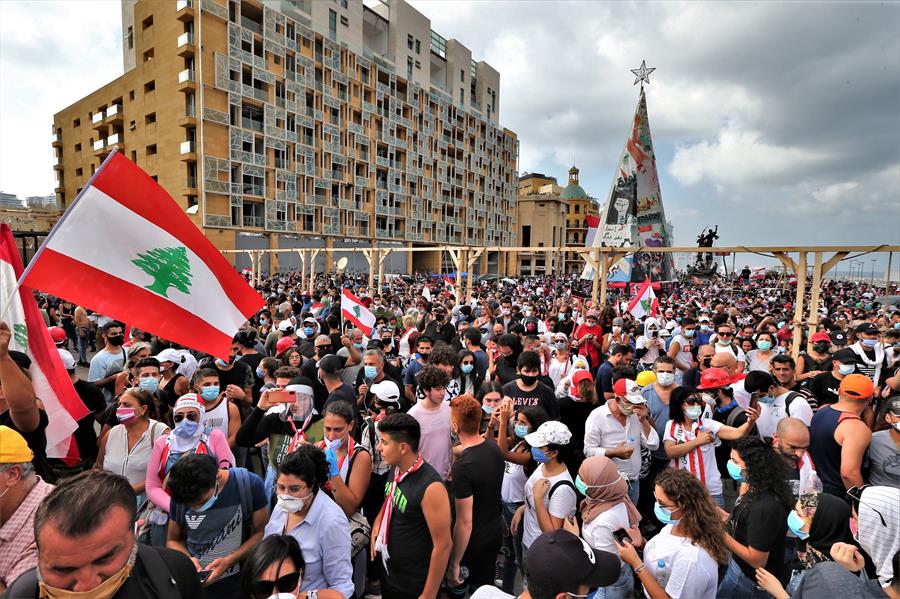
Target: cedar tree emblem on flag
(169, 267)
(20, 332)
(357, 311)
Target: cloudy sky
(780, 122)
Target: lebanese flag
(426, 293)
(51, 382)
(644, 302)
(356, 312)
(593, 225)
(448, 283)
(127, 250)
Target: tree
(169, 267)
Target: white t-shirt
(684, 357)
(652, 352)
(599, 532)
(771, 415)
(512, 489)
(561, 504)
(693, 573)
(740, 357)
(560, 370)
(700, 462)
(490, 592)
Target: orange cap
(857, 386)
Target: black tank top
(168, 390)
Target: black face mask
(439, 317)
(116, 339)
(528, 380)
(822, 348)
(424, 357)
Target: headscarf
(880, 539)
(830, 524)
(177, 443)
(606, 488)
(651, 321)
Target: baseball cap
(838, 338)
(645, 377)
(820, 336)
(67, 360)
(894, 405)
(551, 432)
(13, 448)
(857, 386)
(845, 356)
(285, 325)
(868, 328)
(284, 344)
(331, 364)
(562, 563)
(169, 355)
(630, 390)
(664, 332)
(386, 391)
(703, 319)
(577, 377)
(58, 334)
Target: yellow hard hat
(647, 377)
(13, 448)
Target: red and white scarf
(381, 542)
(693, 460)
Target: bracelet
(639, 569)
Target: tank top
(825, 451)
(217, 418)
(168, 390)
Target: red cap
(577, 377)
(820, 336)
(58, 334)
(284, 344)
(715, 378)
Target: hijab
(830, 524)
(606, 488)
(651, 321)
(177, 443)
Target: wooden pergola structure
(796, 259)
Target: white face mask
(291, 504)
(665, 378)
(896, 426)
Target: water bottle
(499, 569)
(662, 573)
(812, 484)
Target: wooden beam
(819, 271)
(798, 307)
(595, 288)
(313, 253)
(384, 254)
(472, 257)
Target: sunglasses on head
(284, 584)
(193, 417)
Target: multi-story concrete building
(541, 213)
(41, 202)
(580, 206)
(10, 200)
(299, 123)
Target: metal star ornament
(642, 74)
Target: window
(149, 86)
(418, 65)
(462, 95)
(409, 42)
(76, 123)
(332, 24)
(344, 3)
(134, 156)
(418, 47)
(147, 23)
(77, 147)
(151, 150)
(150, 118)
(148, 55)
(409, 68)
(526, 235)
(131, 126)
(131, 95)
(130, 37)
(462, 75)
(78, 172)
(345, 21)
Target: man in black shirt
(85, 436)
(330, 374)
(438, 328)
(824, 387)
(476, 475)
(527, 390)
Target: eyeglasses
(193, 417)
(468, 362)
(284, 584)
(693, 401)
(724, 334)
(854, 496)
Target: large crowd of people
(522, 443)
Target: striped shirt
(18, 551)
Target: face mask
(105, 590)
(693, 412)
(221, 363)
(528, 380)
(149, 383)
(663, 515)
(822, 348)
(897, 325)
(307, 331)
(781, 325)
(581, 485)
(896, 426)
(846, 369)
(125, 415)
(504, 311)
(704, 328)
(357, 345)
(723, 341)
(209, 502)
(665, 378)
(560, 346)
(467, 368)
(688, 333)
(487, 409)
(563, 317)
(767, 400)
(539, 456)
(617, 329)
(335, 444)
(764, 345)
(625, 407)
(870, 342)
(424, 357)
(796, 523)
(209, 393)
(186, 428)
(116, 339)
(734, 471)
(522, 430)
(370, 372)
(263, 321)
(260, 373)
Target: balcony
(97, 119)
(58, 163)
(114, 140)
(187, 151)
(253, 190)
(184, 10)
(186, 81)
(56, 140)
(186, 44)
(253, 221)
(99, 146)
(114, 114)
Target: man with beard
(791, 440)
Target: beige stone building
(580, 206)
(305, 123)
(542, 223)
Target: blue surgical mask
(149, 383)
(209, 502)
(487, 409)
(734, 471)
(539, 456)
(357, 346)
(370, 372)
(704, 327)
(767, 400)
(663, 515)
(263, 321)
(897, 325)
(796, 523)
(846, 369)
(307, 331)
(764, 345)
(209, 393)
(220, 362)
(521, 430)
(260, 373)
(467, 368)
(870, 342)
(688, 333)
(186, 428)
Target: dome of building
(573, 190)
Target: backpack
(733, 415)
(792, 395)
(242, 477)
(201, 449)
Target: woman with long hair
(683, 560)
(690, 437)
(467, 376)
(758, 524)
(275, 568)
(490, 396)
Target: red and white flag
(448, 282)
(426, 292)
(127, 250)
(30, 336)
(356, 312)
(644, 302)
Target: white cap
(386, 391)
(67, 359)
(169, 355)
(285, 325)
(551, 432)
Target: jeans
(736, 585)
(634, 490)
(158, 534)
(623, 588)
(511, 549)
(719, 499)
(83, 342)
(269, 482)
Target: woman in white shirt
(562, 362)
(605, 510)
(682, 561)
